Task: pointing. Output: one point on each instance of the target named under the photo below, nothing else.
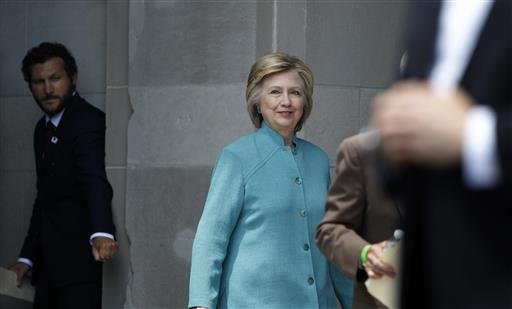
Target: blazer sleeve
(89, 153)
(31, 244)
(343, 286)
(338, 235)
(220, 216)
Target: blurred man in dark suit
(71, 230)
(446, 130)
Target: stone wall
(171, 77)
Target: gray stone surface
(291, 27)
(182, 67)
(118, 110)
(8, 286)
(366, 99)
(162, 210)
(184, 125)
(17, 195)
(12, 49)
(116, 271)
(80, 25)
(335, 116)
(96, 99)
(117, 43)
(183, 42)
(13, 303)
(265, 27)
(18, 117)
(355, 43)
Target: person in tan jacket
(358, 219)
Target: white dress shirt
(460, 25)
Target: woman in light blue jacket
(255, 243)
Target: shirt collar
(55, 119)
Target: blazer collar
(275, 137)
(420, 38)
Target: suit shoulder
(39, 128)
(40, 124)
(357, 148)
(86, 116)
(85, 108)
(349, 151)
(350, 146)
(232, 155)
(242, 146)
(360, 144)
(249, 150)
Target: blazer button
(302, 213)
(298, 180)
(306, 247)
(311, 281)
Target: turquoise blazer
(255, 242)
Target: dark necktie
(50, 130)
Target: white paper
(387, 289)
(8, 286)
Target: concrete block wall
(354, 49)
(118, 111)
(188, 64)
(171, 76)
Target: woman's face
(282, 101)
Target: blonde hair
(271, 64)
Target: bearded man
(71, 230)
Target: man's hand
(420, 125)
(375, 267)
(21, 270)
(103, 248)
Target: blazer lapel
(420, 38)
(490, 58)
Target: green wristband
(364, 254)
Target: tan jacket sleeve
(338, 234)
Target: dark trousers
(75, 296)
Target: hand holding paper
(8, 286)
(20, 269)
(375, 266)
(386, 289)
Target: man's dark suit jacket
(73, 197)
(457, 238)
